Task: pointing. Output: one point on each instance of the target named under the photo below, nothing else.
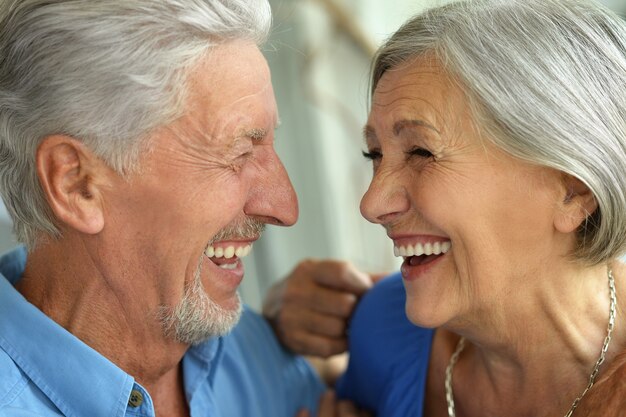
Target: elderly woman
(497, 134)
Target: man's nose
(272, 198)
(385, 199)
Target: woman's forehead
(417, 90)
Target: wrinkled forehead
(232, 85)
(420, 88)
(418, 77)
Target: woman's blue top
(388, 354)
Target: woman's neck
(532, 355)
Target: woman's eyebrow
(399, 126)
(369, 134)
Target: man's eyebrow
(256, 133)
(399, 126)
(259, 133)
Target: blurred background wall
(6, 237)
(319, 55)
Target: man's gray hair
(546, 82)
(105, 72)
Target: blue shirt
(388, 354)
(47, 371)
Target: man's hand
(330, 407)
(310, 308)
(607, 398)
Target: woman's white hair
(546, 81)
(105, 72)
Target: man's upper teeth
(419, 249)
(228, 252)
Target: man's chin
(216, 328)
(197, 319)
(230, 306)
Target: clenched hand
(310, 308)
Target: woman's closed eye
(376, 155)
(419, 152)
(372, 155)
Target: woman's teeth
(228, 252)
(419, 249)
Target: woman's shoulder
(388, 354)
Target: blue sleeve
(388, 354)
(258, 377)
(13, 263)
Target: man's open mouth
(226, 255)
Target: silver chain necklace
(592, 378)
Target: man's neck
(168, 395)
(73, 294)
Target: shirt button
(136, 398)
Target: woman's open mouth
(419, 255)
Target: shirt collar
(76, 378)
(200, 364)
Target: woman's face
(437, 187)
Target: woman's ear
(578, 203)
(69, 173)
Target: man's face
(210, 181)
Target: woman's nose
(386, 198)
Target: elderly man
(138, 166)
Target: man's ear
(68, 173)
(578, 203)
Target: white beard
(197, 318)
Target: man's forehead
(233, 65)
(230, 95)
